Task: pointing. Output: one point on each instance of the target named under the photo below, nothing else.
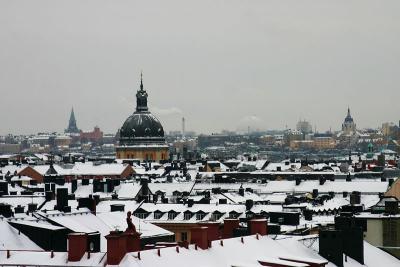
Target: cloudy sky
(220, 64)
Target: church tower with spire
(72, 128)
(142, 135)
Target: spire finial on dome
(141, 80)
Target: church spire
(72, 128)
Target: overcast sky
(220, 64)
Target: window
(141, 215)
(233, 215)
(200, 216)
(157, 215)
(188, 215)
(171, 215)
(184, 236)
(216, 216)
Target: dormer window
(187, 215)
(200, 216)
(172, 215)
(158, 215)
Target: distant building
(94, 136)
(324, 141)
(142, 135)
(10, 148)
(292, 135)
(72, 128)
(348, 126)
(304, 127)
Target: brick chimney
(116, 247)
(229, 226)
(199, 237)
(213, 232)
(77, 246)
(258, 226)
(132, 240)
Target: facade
(348, 126)
(142, 135)
(324, 141)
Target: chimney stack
(229, 226)
(199, 237)
(258, 226)
(116, 247)
(62, 198)
(212, 230)
(77, 246)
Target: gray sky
(221, 64)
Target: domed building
(142, 135)
(348, 126)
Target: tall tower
(183, 128)
(72, 128)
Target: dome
(141, 128)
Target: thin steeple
(141, 80)
(141, 97)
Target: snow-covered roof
(104, 222)
(11, 238)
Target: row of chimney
(120, 243)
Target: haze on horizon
(220, 64)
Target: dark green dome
(142, 127)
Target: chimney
(308, 214)
(199, 237)
(241, 191)
(213, 232)
(355, 198)
(258, 226)
(132, 241)
(62, 198)
(229, 226)
(315, 193)
(88, 202)
(392, 207)
(77, 246)
(116, 247)
(331, 246)
(249, 204)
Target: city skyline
(264, 64)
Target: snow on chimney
(199, 237)
(77, 246)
